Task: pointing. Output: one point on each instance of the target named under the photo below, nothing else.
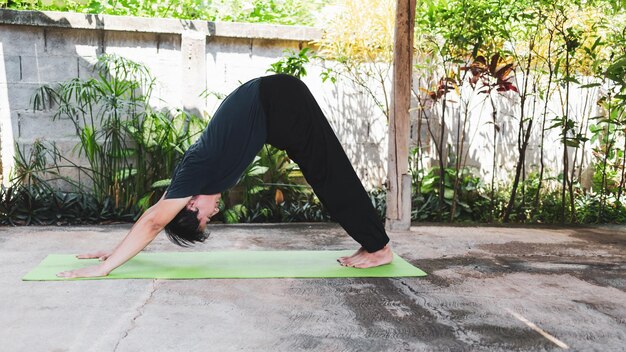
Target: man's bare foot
(363, 259)
(343, 259)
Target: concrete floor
(489, 289)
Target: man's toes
(365, 263)
(344, 262)
(350, 261)
(357, 262)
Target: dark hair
(184, 229)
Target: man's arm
(140, 220)
(104, 254)
(140, 235)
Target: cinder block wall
(186, 57)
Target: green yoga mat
(225, 264)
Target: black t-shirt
(227, 146)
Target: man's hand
(101, 255)
(141, 234)
(90, 271)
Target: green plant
(357, 47)
(592, 208)
(495, 78)
(615, 105)
(34, 205)
(470, 196)
(378, 197)
(305, 209)
(293, 63)
(272, 187)
(288, 12)
(121, 136)
(33, 199)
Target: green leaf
(231, 216)
(571, 79)
(617, 70)
(258, 170)
(144, 202)
(426, 189)
(464, 205)
(234, 214)
(161, 183)
(591, 85)
(255, 189)
(125, 173)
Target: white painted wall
(478, 146)
(185, 57)
(188, 57)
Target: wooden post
(399, 192)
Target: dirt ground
(488, 289)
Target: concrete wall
(191, 57)
(477, 146)
(186, 57)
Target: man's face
(207, 206)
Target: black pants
(296, 124)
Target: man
(281, 111)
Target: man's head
(189, 224)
